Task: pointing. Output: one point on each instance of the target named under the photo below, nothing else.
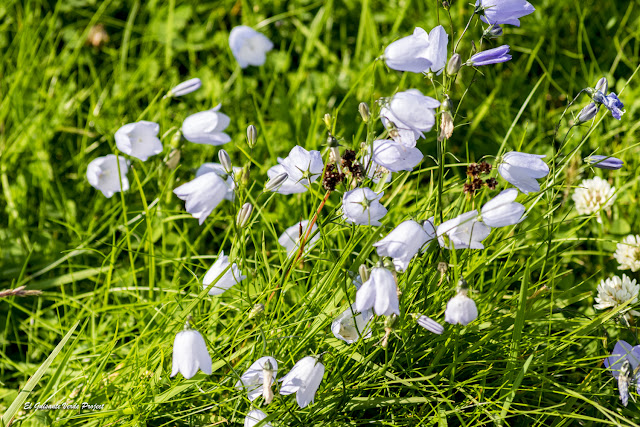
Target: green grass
(119, 276)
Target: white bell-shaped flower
(463, 231)
(253, 378)
(254, 417)
(351, 325)
(380, 292)
(409, 53)
(290, 239)
(461, 309)
(523, 170)
(405, 241)
(408, 115)
(362, 206)
(302, 168)
(139, 139)
(227, 275)
(437, 50)
(219, 169)
(248, 46)
(206, 127)
(394, 156)
(202, 194)
(303, 379)
(502, 210)
(102, 174)
(190, 354)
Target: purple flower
(612, 102)
(604, 162)
(588, 113)
(503, 11)
(490, 56)
(623, 362)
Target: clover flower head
(593, 195)
(615, 291)
(628, 253)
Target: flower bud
(185, 87)
(604, 162)
(602, 85)
(365, 113)
(256, 311)
(493, 32)
(267, 379)
(454, 64)
(252, 136)
(327, 120)
(275, 183)
(173, 159)
(176, 139)
(364, 273)
(391, 321)
(244, 214)
(588, 113)
(225, 161)
(430, 325)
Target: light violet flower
(430, 325)
(622, 363)
(628, 253)
(206, 127)
(202, 194)
(612, 102)
(523, 170)
(604, 162)
(303, 379)
(587, 113)
(502, 210)
(362, 206)
(254, 417)
(139, 139)
(461, 309)
(218, 169)
(615, 291)
(253, 378)
(463, 231)
(490, 56)
(226, 274)
(102, 174)
(405, 241)
(394, 156)
(302, 166)
(190, 354)
(593, 195)
(409, 53)
(380, 292)
(290, 239)
(248, 46)
(185, 87)
(350, 325)
(504, 11)
(408, 115)
(437, 50)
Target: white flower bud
(454, 64)
(252, 136)
(225, 161)
(275, 183)
(185, 87)
(602, 85)
(244, 214)
(363, 108)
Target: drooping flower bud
(275, 183)
(365, 113)
(588, 113)
(604, 162)
(454, 64)
(244, 214)
(225, 161)
(252, 136)
(602, 85)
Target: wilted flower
(612, 102)
(461, 309)
(490, 56)
(407, 115)
(623, 362)
(303, 379)
(202, 195)
(404, 242)
(218, 169)
(502, 210)
(430, 325)
(253, 378)
(139, 139)
(614, 291)
(380, 292)
(587, 113)
(362, 206)
(291, 237)
(604, 162)
(504, 11)
(522, 170)
(226, 274)
(206, 127)
(254, 417)
(190, 354)
(463, 231)
(593, 195)
(185, 87)
(248, 46)
(394, 156)
(102, 174)
(350, 325)
(628, 253)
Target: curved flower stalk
(405, 241)
(628, 253)
(303, 379)
(228, 275)
(102, 174)
(463, 231)
(351, 325)
(380, 292)
(206, 127)
(523, 170)
(248, 46)
(362, 206)
(502, 12)
(502, 210)
(408, 115)
(139, 139)
(253, 379)
(190, 354)
(202, 194)
(395, 157)
(622, 363)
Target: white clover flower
(628, 253)
(463, 231)
(407, 115)
(190, 354)
(303, 379)
(290, 239)
(380, 292)
(405, 241)
(202, 194)
(228, 274)
(394, 156)
(362, 206)
(254, 417)
(206, 127)
(248, 46)
(253, 378)
(593, 195)
(461, 309)
(139, 139)
(302, 168)
(614, 291)
(502, 210)
(219, 170)
(102, 174)
(350, 325)
(523, 170)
